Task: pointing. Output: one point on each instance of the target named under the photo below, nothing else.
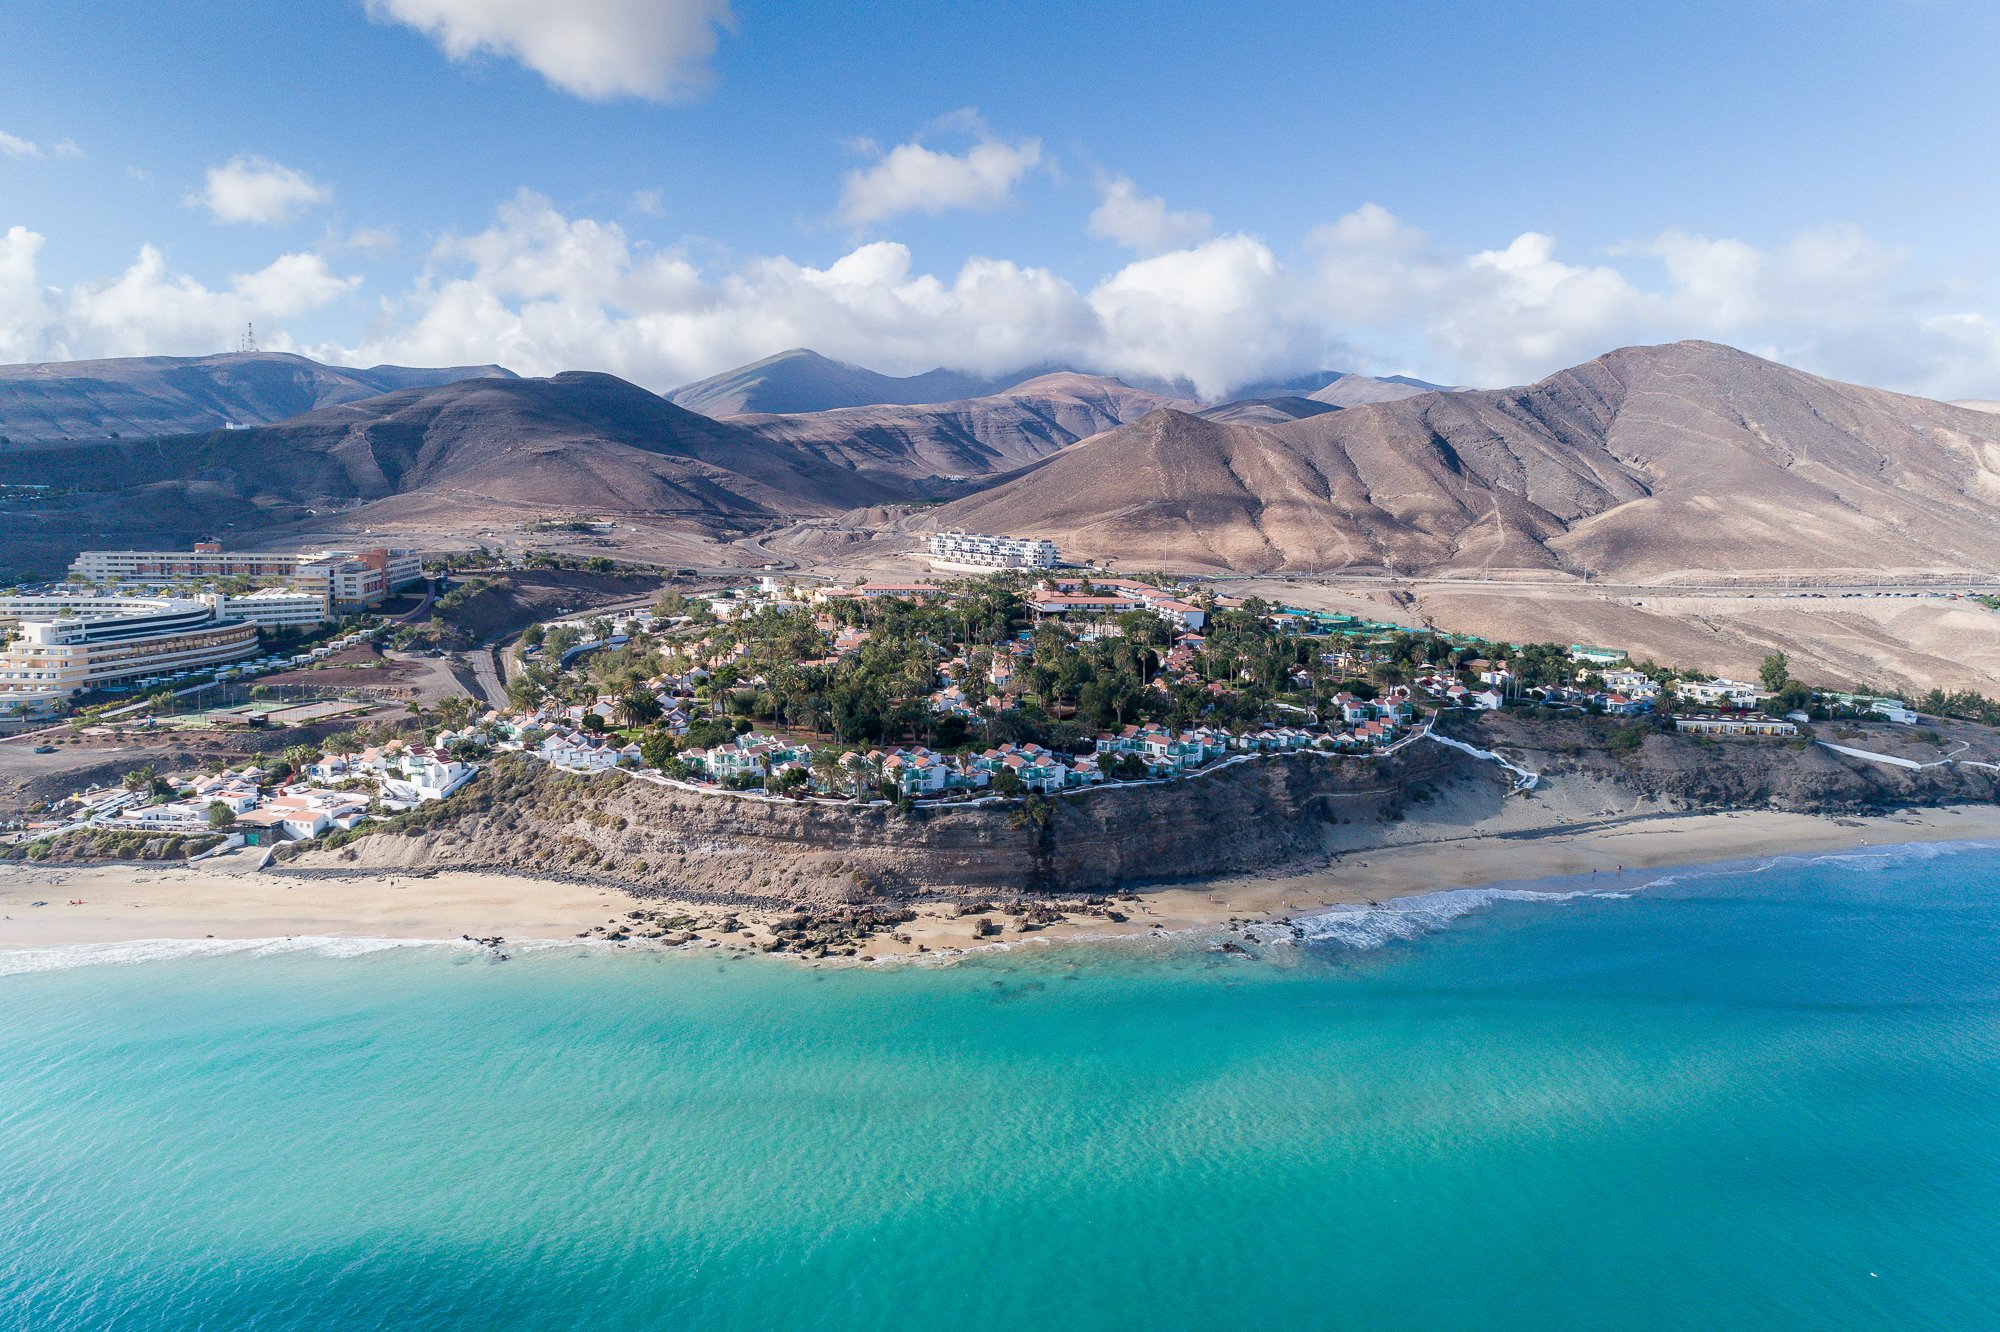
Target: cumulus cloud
(1220, 314)
(542, 291)
(256, 189)
(148, 309)
(597, 49)
(912, 178)
(1142, 222)
(1832, 301)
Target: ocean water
(1740, 1099)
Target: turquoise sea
(1729, 1099)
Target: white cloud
(256, 189)
(1142, 222)
(148, 310)
(1221, 314)
(542, 292)
(26, 306)
(598, 49)
(371, 240)
(911, 178)
(1830, 301)
(27, 150)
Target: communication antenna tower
(248, 342)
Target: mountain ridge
(121, 397)
(1640, 463)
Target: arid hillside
(1646, 463)
(458, 454)
(800, 380)
(918, 449)
(136, 396)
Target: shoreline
(226, 899)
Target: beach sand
(226, 897)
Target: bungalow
(1621, 705)
(1756, 724)
(299, 824)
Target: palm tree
(638, 707)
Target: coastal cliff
(1673, 772)
(522, 816)
(1281, 811)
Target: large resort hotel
(122, 638)
(350, 579)
(56, 645)
(977, 553)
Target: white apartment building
(976, 552)
(1734, 693)
(120, 638)
(349, 579)
(272, 607)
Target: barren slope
(800, 380)
(577, 442)
(1647, 462)
(178, 395)
(917, 449)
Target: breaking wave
(1412, 917)
(1407, 917)
(63, 957)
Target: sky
(1471, 193)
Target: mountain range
(178, 395)
(1645, 462)
(1642, 463)
(471, 451)
(800, 381)
(804, 381)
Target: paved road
(486, 673)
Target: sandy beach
(227, 897)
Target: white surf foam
(63, 957)
(1405, 917)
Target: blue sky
(1478, 193)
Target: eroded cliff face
(1687, 773)
(521, 816)
(524, 817)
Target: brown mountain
(1646, 462)
(801, 380)
(1359, 390)
(455, 454)
(921, 450)
(1265, 411)
(136, 396)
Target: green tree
(220, 816)
(639, 707)
(1774, 671)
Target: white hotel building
(977, 552)
(349, 579)
(65, 645)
